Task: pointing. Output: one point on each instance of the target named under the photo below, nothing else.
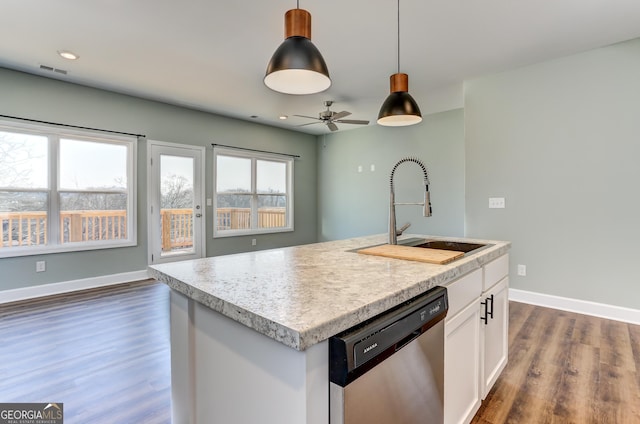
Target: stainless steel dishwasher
(390, 369)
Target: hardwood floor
(566, 368)
(103, 353)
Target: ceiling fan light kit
(297, 67)
(399, 109)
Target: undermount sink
(428, 250)
(457, 246)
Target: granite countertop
(305, 294)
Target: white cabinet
(461, 366)
(475, 351)
(494, 333)
(462, 394)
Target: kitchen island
(249, 331)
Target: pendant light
(297, 67)
(399, 109)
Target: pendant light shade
(399, 109)
(297, 67)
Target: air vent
(52, 69)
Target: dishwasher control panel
(397, 334)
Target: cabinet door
(494, 334)
(462, 365)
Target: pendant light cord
(398, 36)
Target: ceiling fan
(330, 118)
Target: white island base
(249, 331)
(224, 372)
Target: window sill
(15, 252)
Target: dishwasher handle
(411, 337)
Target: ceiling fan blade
(352, 121)
(310, 117)
(310, 123)
(332, 126)
(339, 115)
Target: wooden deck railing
(93, 225)
(177, 229)
(240, 218)
(272, 217)
(23, 228)
(30, 228)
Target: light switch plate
(496, 203)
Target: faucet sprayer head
(427, 204)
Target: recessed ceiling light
(283, 117)
(68, 55)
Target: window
(253, 193)
(64, 190)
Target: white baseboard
(33, 292)
(585, 307)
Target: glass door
(175, 200)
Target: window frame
(54, 135)
(254, 157)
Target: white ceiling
(212, 55)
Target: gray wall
(356, 203)
(561, 141)
(50, 100)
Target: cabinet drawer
(495, 271)
(463, 291)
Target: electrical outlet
(373, 168)
(253, 242)
(359, 168)
(496, 203)
(522, 270)
(41, 266)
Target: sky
(91, 165)
(26, 155)
(176, 165)
(83, 164)
(234, 173)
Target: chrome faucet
(393, 231)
